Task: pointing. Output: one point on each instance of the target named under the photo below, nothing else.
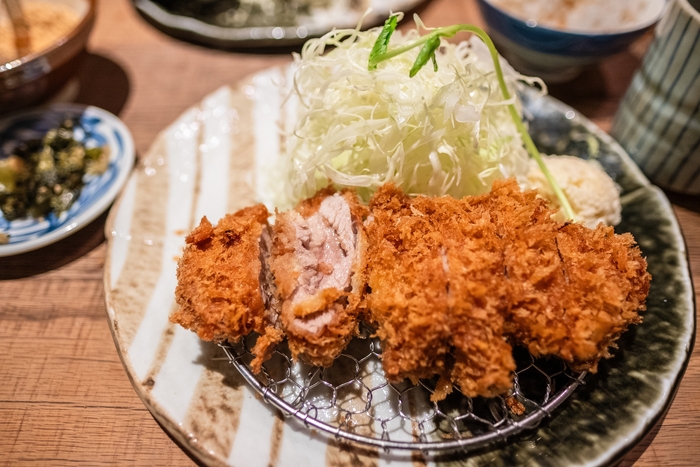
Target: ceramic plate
(101, 129)
(338, 14)
(214, 159)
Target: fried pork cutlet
(407, 279)
(573, 290)
(452, 280)
(450, 284)
(438, 293)
(477, 295)
(222, 277)
(317, 262)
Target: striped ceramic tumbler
(658, 122)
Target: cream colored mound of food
(593, 195)
(47, 23)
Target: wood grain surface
(64, 396)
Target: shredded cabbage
(444, 132)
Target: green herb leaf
(425, 54)
(382, 43)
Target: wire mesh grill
(352, 399)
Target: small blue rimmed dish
(554, 42)
(98, 128)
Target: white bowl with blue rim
(555, 40)
(101, 128)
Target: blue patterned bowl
(101, 129)
(559, 54)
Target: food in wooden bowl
(54, 33)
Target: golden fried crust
(573, 290)
(438, 292)
(451, 280)
(449, 283)
(320, 327)
(218, 289)
(608, 284)
(408, 284)
(477, 296)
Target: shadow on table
(182, 447)
(98, 81)
(633, 456)
(102, 83)
(55, 255)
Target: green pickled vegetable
(46, 175)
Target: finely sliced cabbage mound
(444, 132)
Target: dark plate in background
(288, 32)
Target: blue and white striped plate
(101, 129)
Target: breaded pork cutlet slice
(222, 289)
(318, 265)
(477, 293)
(438, 293)
(573, 290)
(609, 285)
(408, 283)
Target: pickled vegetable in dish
(43, 176)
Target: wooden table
(64, 396)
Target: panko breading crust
(218, 281)
(438, 292)
(573, 290)
(455, 282)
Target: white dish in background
(215, 159)
(99, 191)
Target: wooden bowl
(27, 80)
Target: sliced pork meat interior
(318, 265)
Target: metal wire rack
(353, 401)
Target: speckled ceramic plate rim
(612, 456)
(101, 204)
(609, 457)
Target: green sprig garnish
(382, 43)
(431, 42)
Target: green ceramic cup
(658, 122)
